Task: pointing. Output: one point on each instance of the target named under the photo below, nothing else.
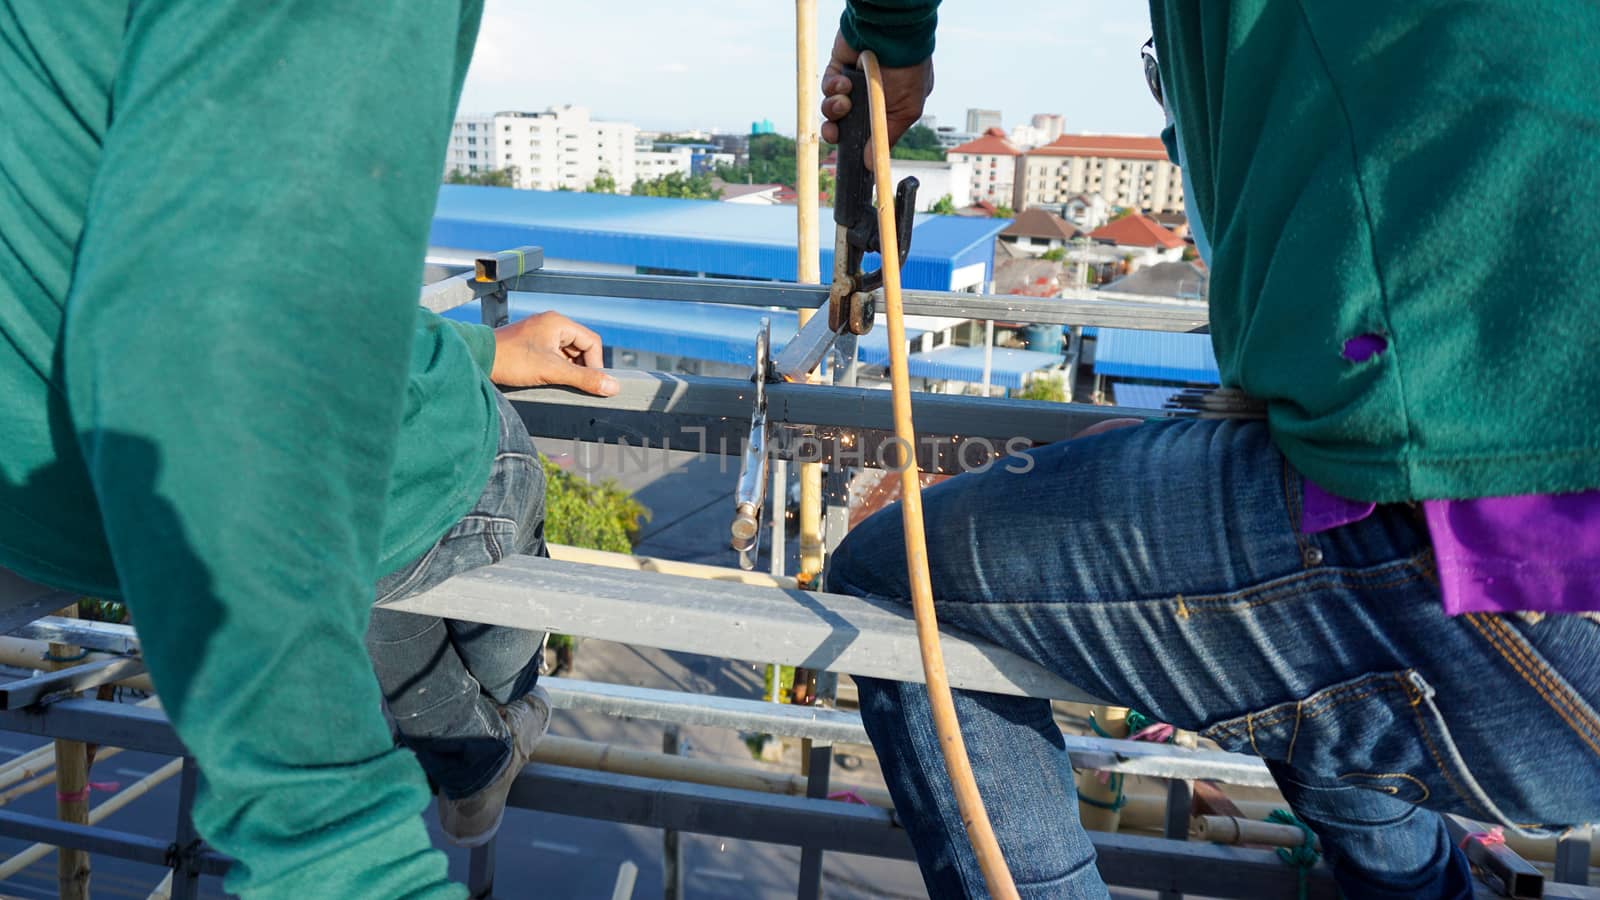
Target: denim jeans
(445, 680)
(1161, 567)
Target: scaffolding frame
(826, 632)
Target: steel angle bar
(86, 633)
(812, 629)
(97, 722)
(707, 415)
(1122, 312)
(28, 691)
(818, 723)
(1129, 860)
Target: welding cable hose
(973, 816)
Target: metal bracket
(751, 493)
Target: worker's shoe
(472, 821)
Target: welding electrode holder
(851, 308)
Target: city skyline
(1077, 58)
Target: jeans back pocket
(1381, 731)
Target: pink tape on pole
(80, 796)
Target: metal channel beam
(1126, 311)
(849, 424)
(1140, 862)
(28, 691)
(679, 708)
(100, 840)
(98, 722)
(822, 724)
(86, 633)
(792, 627)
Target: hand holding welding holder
(851, 306)
(852, 300)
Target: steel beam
(1087, 308)
(100, 840)
(813, 423)
(86, 633)
(28, 691)
(1140, 862)
(792, 627)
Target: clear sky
(725, 64)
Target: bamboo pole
(47, 777)
(809, 267)
(28, 765)
(995, 874)
(122, 798)
(1096, 797)
(27, 653)
(1234, 830)
(667, 566)
(72, 795)
(163, 890)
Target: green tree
(1003, 212)
(1049, 388)
(826, 183)
(676, 184)
(919, 142)
(506, 177)
(600, 516)
(603, 183)
(1054, 254)
(946, 206)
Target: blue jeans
(445, 680)
(1161, 567)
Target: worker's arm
(236, 348)
(900, 32)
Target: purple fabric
(1533, 553)
(1363, 347)
(1322, 511)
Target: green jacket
(1421, 171)
(218, 398)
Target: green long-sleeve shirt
(1424, 172)
(218, 399)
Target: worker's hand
(904, 91)
(550, 349)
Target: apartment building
(1128, 171)
(561, 147)
(995, 163)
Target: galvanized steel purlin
(1123, 311)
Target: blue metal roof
(1007, 367)
(706, 331)
(709, 236)
(1154, 355)
(1143, 396)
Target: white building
(1129, 171)
(561, 147)
(936, 179)
(654, 162)
(994, 162)
(1041, 129)
(981, 120)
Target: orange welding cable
(956, 763)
